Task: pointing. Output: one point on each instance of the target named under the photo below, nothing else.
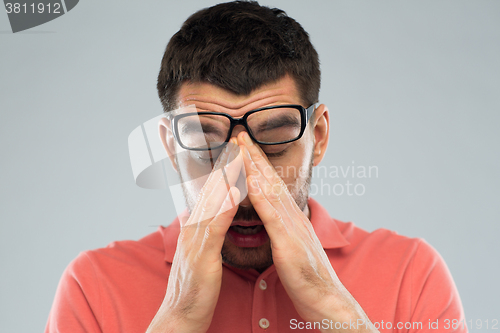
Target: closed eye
(281, 122)
(205, 128)
(275, 154)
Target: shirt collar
(324, 226)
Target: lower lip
(240, 240)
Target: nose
(236, 130)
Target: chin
(258, 258)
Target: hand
(301, 263)
(196, 273)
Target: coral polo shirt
(402, 284)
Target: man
(239, 84)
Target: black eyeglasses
(271, 125)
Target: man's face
(292, 161)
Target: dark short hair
(239, 46)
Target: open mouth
(247, 234)
(247, 230)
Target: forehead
(211, 97)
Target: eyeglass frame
(305, 115)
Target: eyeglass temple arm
(309, 111)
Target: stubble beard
(258, 258)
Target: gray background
(413, 88)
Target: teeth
(248, 230)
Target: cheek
(294, 167)
(193, 175)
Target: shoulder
(380, 239)
(385, 249)
(406, 275)
(355, 234)
(101, 284)
(119, 257)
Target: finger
(216, 230)
(216, 188)
(233, 166)
(205, 237)
(223, 159)
(229, 167)
(274, 219)
(275, 191)
(257, 164)
(262, 163)
(211, 179)
(271, 185)
(228, 175)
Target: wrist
(168, 323)
(346, 316)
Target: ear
(321, 132)
(167, 139)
